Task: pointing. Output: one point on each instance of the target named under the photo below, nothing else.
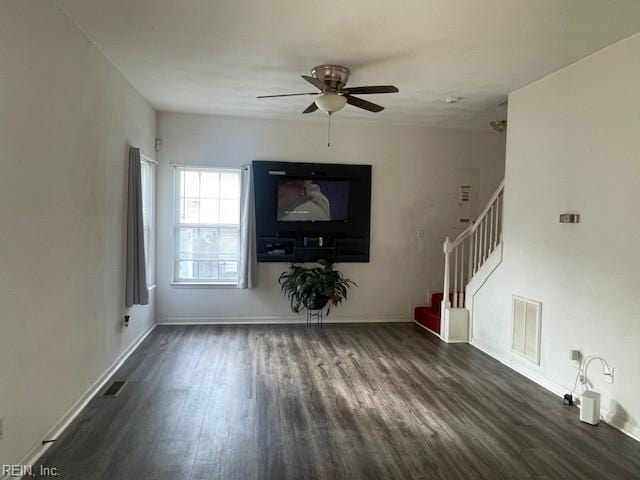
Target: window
(207, 230)
(148, 180)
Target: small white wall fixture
(525, 328)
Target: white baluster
(475, 250)
(483, 229)
(462, 282)
(496, 213)
(490, 233)
(455, 278)
(476, 258)
(486, 237)
(470, 243)
(498, 218)
(501, 215)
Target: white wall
(573, 146)
(66, 119)
(416, 173)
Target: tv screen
(311, 200)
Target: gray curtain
(248, 274)
(137, 292)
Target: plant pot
(319, 303)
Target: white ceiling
(215, 56)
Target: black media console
(307, 212)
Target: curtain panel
(248, 274)
(137, 292)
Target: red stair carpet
(429, 317)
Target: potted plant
(314, 288)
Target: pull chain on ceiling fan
(331, 80)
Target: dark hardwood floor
(370, 401)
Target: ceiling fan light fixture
(331, 102)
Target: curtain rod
(148, 159)
(210, 167)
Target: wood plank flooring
(368, 401)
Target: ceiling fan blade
(311, 108)
(287, 95)
(360, 103)
(370, 90)
(314, 81)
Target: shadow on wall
(617, 414)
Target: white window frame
(189, 283)
(148, 166)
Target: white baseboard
(428, 330)
(35, 452)
(288, 320)
(437, 334)
(625, 427)
(509, 362)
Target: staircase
(429, 316)
(463, 259)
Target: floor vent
(526, 328)
(114, 389)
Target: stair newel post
(445, 291)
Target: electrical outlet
(608, 375)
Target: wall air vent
(526, 328)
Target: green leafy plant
(312, 288)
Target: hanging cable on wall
(581, 374)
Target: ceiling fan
(331, 80)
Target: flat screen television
(307, 212)
(312, 200)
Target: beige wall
(416, 175)
(66, 119)
(573, 146)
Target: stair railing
(464, 256)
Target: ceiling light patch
(331, 102)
